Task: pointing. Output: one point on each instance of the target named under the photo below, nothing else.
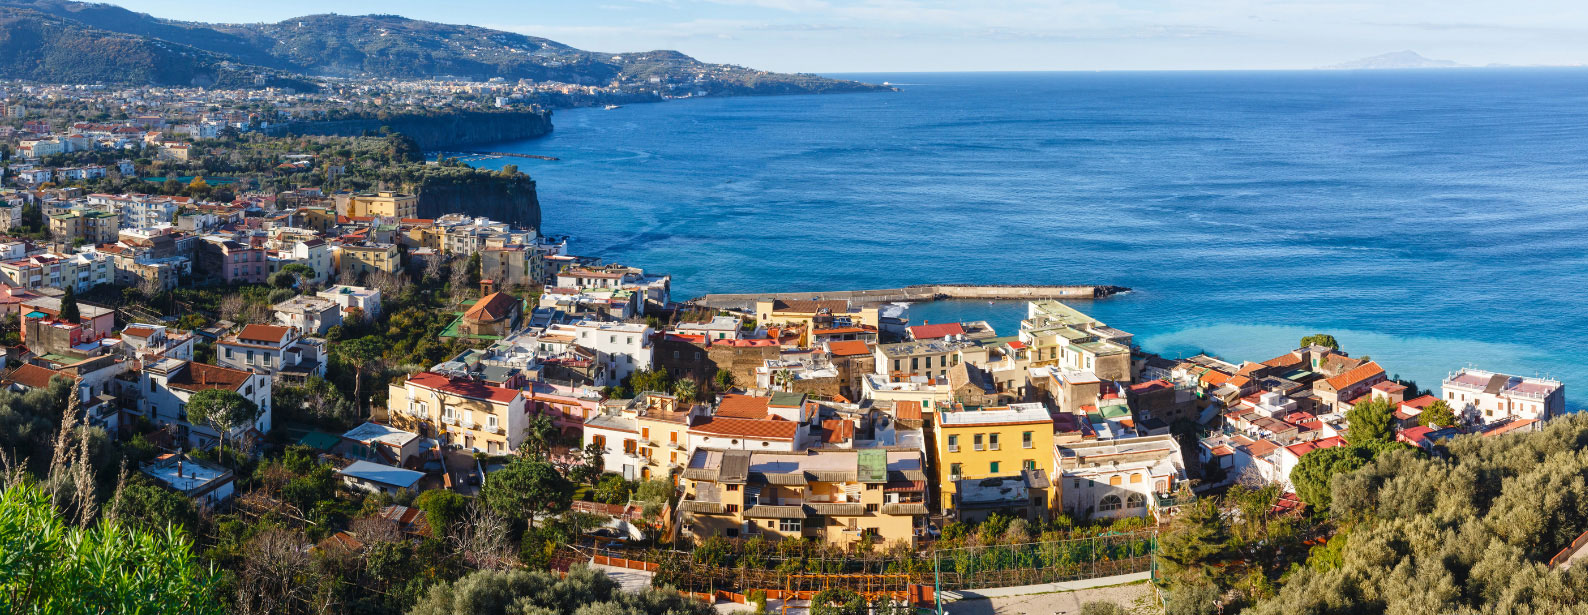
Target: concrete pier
(917, 293)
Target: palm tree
(539, 436)
(685, 390)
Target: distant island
(62, 41)
(1394, 60)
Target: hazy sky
(928, 35)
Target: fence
(1044, 562)
(951, 569)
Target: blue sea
(1429, 219)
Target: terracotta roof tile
(909, 410)
(472, 389)
(496, 306)
(202, 376)
(937, 331)
(747, 428)
(263, 333)
(848, 348)
(735, 406)
(1347, 379)
(33, 376)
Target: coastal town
(339, 364)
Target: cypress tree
(69, 311)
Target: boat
(611, 107)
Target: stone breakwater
(917, 293)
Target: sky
(831, 36)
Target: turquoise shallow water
(1430, 219)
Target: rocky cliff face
(439, 131)
(479, 193)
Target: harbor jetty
(917, 293)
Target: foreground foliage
(47, 566)
(583, 591)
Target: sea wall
(916, 293)
(439, 131)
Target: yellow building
(465, 412)
(364, 258)
(835, 496)
(991, 443)
(387, 204)
(813, 312)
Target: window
(1114, 480)
(953, 443)
(228, 353)
(1029, 464)
(599, 441)
(645, 432)
(674, 436)
(953, 471)
(630, 446)
(1135, 478)
(993, 468)
(1025, 440)
(733, 487)
(788, 525)
(871, 508)
(267, 359)
(1136, 500)
(873, 487)
(490, 421)
(732, 532)
(1077, 483)
(915, 363)
(734, 508)
(992, 442)
(976, 442)
(1110, 502)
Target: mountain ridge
(345, 46)
(1394, 60)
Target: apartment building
(368, 257)
(383, 204)
(647, 438)
(1058, 335)
(366, 300)
(311, 315)
(930, 359)
(84, 226)
(1128, 477)
(231, 261)
(990, 443)
(165, 386)
(835, 496)
(1484, 397)
(620, 348)
(281, 352)
(461, 411)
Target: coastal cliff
(477, 192)
(438, 131)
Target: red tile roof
(735, 406)
(262, 333)
(33, 376)
(137, 332)
(201, 376)
(1285, 360)
(837, 431)
(1261, 448)
(471, 389)
(1214, 378)
(1302, 448)
(937, 331)
(848, 348)
(1419, 403)
(495, 306)
(747, 428)
(910, 410)
(1356, 375)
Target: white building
(1117, 478)
(1480, 396)
(279, 351)
(165, 387)
(207, 484)
(621, 348)
(365, 299)
(311, 315)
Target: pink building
(232, 261)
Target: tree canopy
(1437, 414)
(1320, 339)
(527, 487)
(69, 309)
(519, 592)
(49, 567)
(1370, 421)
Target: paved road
(1135, 596)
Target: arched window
(1136, 500)
(1110, 502)
(1135, 478)
(1114, 480)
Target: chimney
(179, 463)
(487, 287)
